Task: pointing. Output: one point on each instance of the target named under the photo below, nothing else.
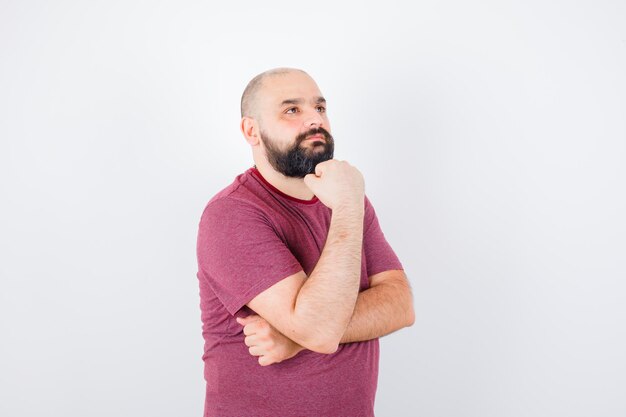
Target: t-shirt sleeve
(379, 255)
(240, 253)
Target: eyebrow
(318, 100)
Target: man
(297, 281)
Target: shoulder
(236, 199)
(231, 209)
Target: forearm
(325, 303)
(380, 310)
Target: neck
(293, 187)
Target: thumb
(310, 179)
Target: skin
(283, 122)
(279, 333)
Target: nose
(314, 120)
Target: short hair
(248, 98)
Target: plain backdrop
(491, 135)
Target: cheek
(290, 124)
(289, 129)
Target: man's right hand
(337, 184)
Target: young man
(297, 281)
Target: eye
(292, 110)
(321, 109)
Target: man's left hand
(266, 342)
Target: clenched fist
(337, 184)
(266, 342)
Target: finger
(319, 169)
(265, 360)
(251, 340)
(256, 351)
(249, 329)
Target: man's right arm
(315, 311)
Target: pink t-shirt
(251, 236)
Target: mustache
(315, 131)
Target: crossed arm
(386, 306)
(325, 309)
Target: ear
(250, 129)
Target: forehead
(290, 86)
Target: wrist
(349, 208)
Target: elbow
(317, 336)
(410, 311)
(326, 349)
(324, 345)
(410, 317)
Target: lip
(316, 137)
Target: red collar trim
(277, 191)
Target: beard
(298, 161)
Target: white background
(492, 137)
